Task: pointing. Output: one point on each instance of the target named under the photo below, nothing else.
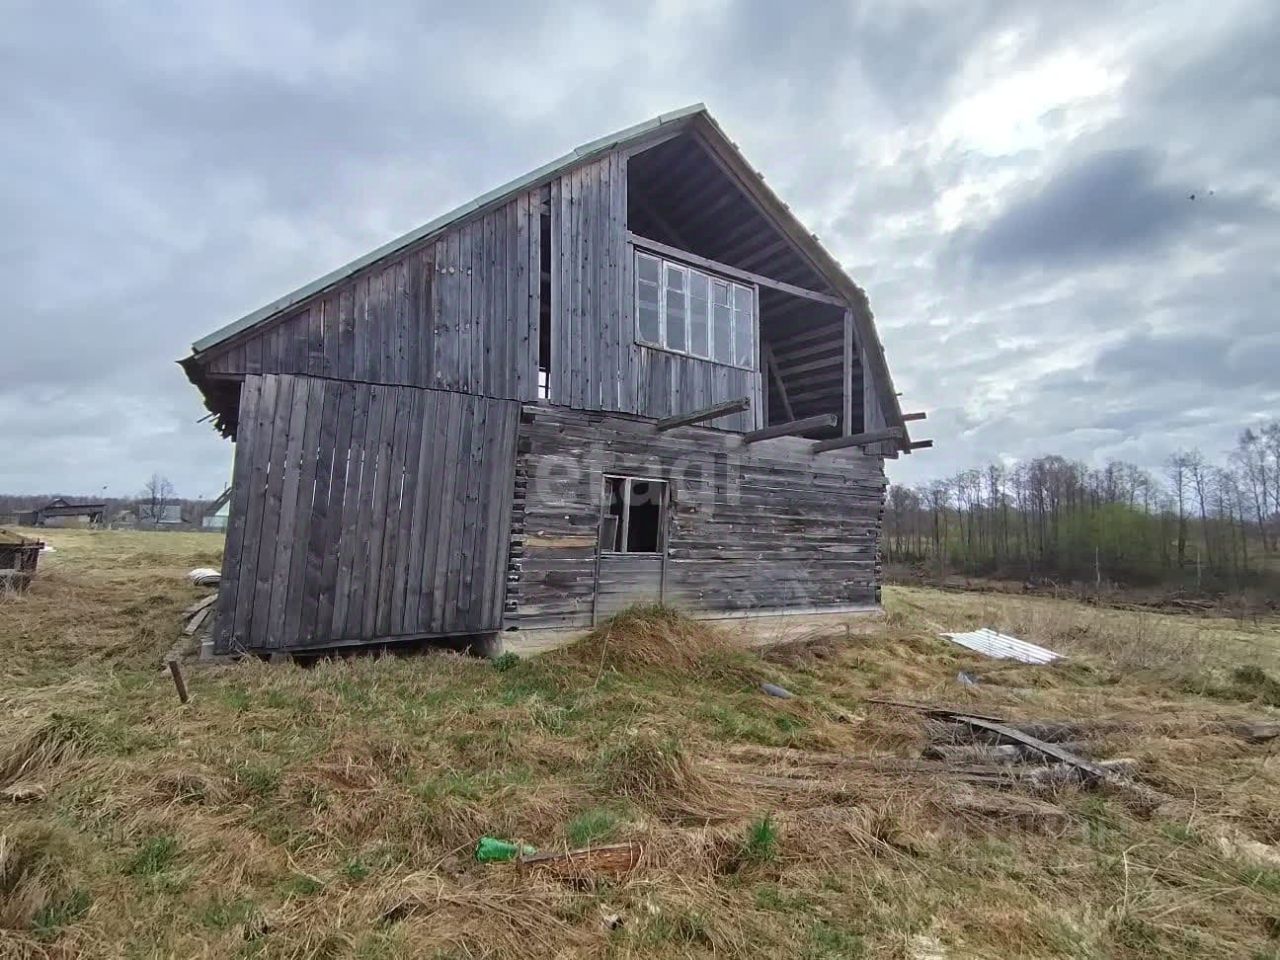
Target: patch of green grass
(686, 927)
(1263, 878)
(300, 885)
(1258, 684)
(827, 942)
(761, 844)
(260, 781)
(592, 826)
(1179, 832)
(221, 913)
(505, 661)
(356, 869)
(155, 856)
(1245, 685)
(769, 896)
(279, 700)
(739, 726)
(51, 918)
(237, 698)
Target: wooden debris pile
(18, 558)
(1032, 753)
(198, 615)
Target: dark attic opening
(683, 198)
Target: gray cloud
(1109, 204)
(167, 170)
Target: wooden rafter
(859, 439)
(794, 428)
(771, 362)
(701, 416)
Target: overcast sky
(1012, 184)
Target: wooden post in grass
(176, 672)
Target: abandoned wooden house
(630, 375)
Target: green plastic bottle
(493, 850)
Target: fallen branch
(587, 862)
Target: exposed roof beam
(791, 368)
(793, 428)
(751, 258)
(858, 439)
(707, 413)
(725, 152)
(723, 268)
(914, 416)
(920, 445)
(771, 363)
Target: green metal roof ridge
(546, 171)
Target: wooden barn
(630, 375)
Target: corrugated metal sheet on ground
(1003, 647)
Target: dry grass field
(331, 811)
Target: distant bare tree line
(1216, 524)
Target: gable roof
(695, 117)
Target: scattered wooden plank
(992, 753)
(200, 605)
(1054, 750)
(587, 862)
(944, 730)
(793, 428)
(703, 415)
(196, 621)
(1118, 771)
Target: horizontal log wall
(764, 526)
(458, 313)
(364, 512)
(596, 363)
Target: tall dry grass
(332, 811)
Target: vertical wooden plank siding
(596, 363)
(459, 313)
(363, 512)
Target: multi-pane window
(683, 309)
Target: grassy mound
(653, 638)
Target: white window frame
(665, 264)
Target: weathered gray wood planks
(751, 527)
(363, 512)
(454, 313)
